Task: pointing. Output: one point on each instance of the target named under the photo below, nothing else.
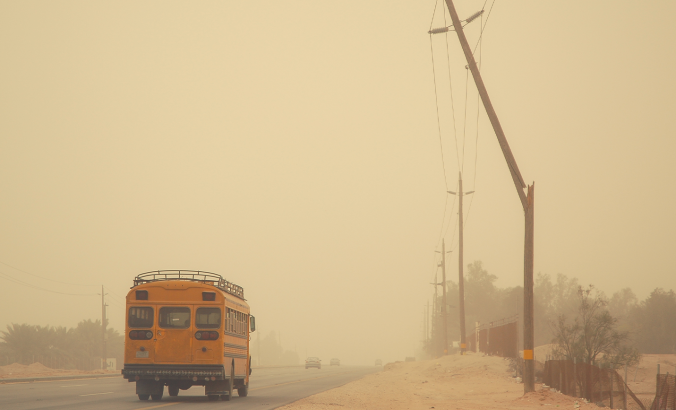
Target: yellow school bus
(187, 328)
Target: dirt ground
(453, 382)
(642, 378)
(16, 370)
(466, 382)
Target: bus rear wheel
(231, 383)
(243, 391)
(173, 391)
(156, 397)
(143, 396)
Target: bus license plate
(142, 354)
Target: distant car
(379, 362)
(313, 362)
(335, 362)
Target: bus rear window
(141, 317)
(174, 317)
(208, 318)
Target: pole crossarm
(490, 111)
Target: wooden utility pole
(461, 278)
(104, 353)
(427, 322)
(526, 201)
(444, 304)
(435, 317)
(259, 348)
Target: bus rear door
(174, 333)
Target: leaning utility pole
(526, 201)
(461, 279)
(104, 354)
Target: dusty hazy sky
(292, 147)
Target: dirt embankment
(16, 370)
(453, 382)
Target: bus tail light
(204, 335)
(140, 335)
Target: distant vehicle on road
(409, 359)
(379, 362)
(335, 362)
(184, 329)
(313, 362)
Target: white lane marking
(158, 406)
(95, 394)
(75, 385)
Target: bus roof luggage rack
(208, 278)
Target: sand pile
(38, 367)
(13, 369)
(453, 382)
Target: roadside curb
(50, 378)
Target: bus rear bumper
(192, 372)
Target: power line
(17, 281)
(464, 122)
(41, 277)
(436, 101)
(483, 25)
(450, 86)
(476, 140)
(115, 294)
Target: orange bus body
(187, 330)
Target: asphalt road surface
(268, 388)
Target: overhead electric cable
(476, 139)
(436, 101)
(12, 279)
(41, 277)
(441, 145)
(450, 86)
(464, 122)
(483, 25)
(115, 294)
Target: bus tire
(243, 391)
(173, 391)
(143, 396)
(232, 382)
(156, 397)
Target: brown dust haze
(292, 146)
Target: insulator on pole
(440, 30)
(474, 16)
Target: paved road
(268, 389)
